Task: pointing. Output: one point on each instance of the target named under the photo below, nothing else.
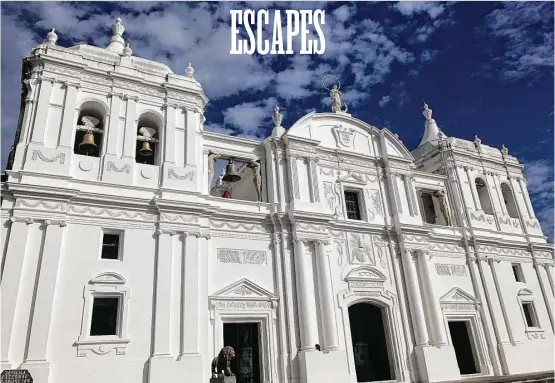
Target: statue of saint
(277, 117)
(441, 199)
(427, 112)
(211, 158)
(335, 96)
(257, 178)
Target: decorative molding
(190, 175)
(61, 157)
(179, 217)
(232, 226)
(110, 166)
(108, 278)
(255, 257)
(113, 213)
(62, 206)
(242, 305)
(343, 136)
(449, 269)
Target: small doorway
(370, 348)
(245, 340)
(464, 351)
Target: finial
(117, 42)
(427, 112)
(189, 70)
(127, 50)
(277, 117)
(477, 143)
(52, 37)
(504, 151)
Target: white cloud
(428, 55)
(250, 117)
(539, 175)
(411, 8)
(525, 29)
(384, 101)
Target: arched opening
(90, 129)
(370, 343)
(509, 199)
(483, 195)
(148, 133)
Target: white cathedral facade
(339, 256)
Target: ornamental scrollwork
(60, 157)
(190, 175)
(110, 166)
(255, 257)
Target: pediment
(352, 179)
(245, 289)
(457, 295)
(525, 291)
(108, 278)
(365, 273)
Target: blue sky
(485, 68)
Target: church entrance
(369, 343)
(244, 338)
(460, 337)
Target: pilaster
(113, 128)
(327, 305)
(191, 136)
(169, 134)
(190, 297)
(305, 297)
(43, 106)
(130, 136)
(415, 301)
(69, 117)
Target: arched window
(90, 128)
(148, 133)
(509, 199)
(483, 195)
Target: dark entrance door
(369, 343)
(460, 336)
(244, 338)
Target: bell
(145, 151)
(231, 173)
(88, 145)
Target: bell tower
(102, 114)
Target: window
(517, 271)
(509, 200)
(89, 130)
(530, 314)
(110, 246)
(104, 316)
(428, 208)
(148, 129)
(483, 196)
(352, 205)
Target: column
(11, 279)
(325, 289)
(305, 297)
(68, 116)
(46, 285)
(492, 263)
(191, 120)
(314, 180)
(113, 128)
(410, 195)
(190, 295)
(130, 136)
(439, 336)
(493, 301)
(39, 128)
(164, 250)
(548, 298)
(396, 193)
(473, 190)
(526, 197)
(547, 266)
(169, 134)
(500, 194)
(415, 302)
(294, 179)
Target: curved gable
(394, 146)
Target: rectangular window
(517, 271)
(105, 316)
(352, 205)
(110, 245)
(530, 314)
(428, 207)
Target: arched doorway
(370, 348)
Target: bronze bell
(145, 151)
(231, 172)
(88, 145)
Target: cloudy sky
(485, 68)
